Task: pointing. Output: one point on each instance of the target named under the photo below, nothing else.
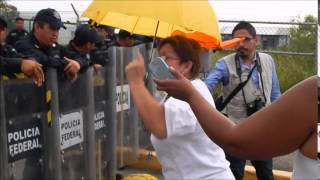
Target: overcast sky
(271, 10)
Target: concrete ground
(284, 163)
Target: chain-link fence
(292, 45)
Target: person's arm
(151, 111)
(10, 65)
(27, 66)
(82, 62)
(218, 74)
(53, 59)
(278, 129)
(275, 89)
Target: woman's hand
(181, 88)
(135, 70)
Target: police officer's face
(102, 32)
(46, 35)
(248, 45)
(88, 47)
(19, 24)
(3, 35)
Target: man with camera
(249, 83)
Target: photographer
(261, 87)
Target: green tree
(8, 12)
(302, 38)
(295, 68)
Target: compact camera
(255, 106)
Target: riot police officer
(18, 33)
(13, 62)
(42, 45)
(84, 42)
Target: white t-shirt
(187, 152)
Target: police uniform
(52, 56)
(85, 57)
(16, 35)
(10, 60)
(86, 34)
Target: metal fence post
(51, 129)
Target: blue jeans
(263, 167)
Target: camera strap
(235, 90)
(259, 69)
(258, 62)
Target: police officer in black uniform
(13, 62)
(42, 45)
(107, 32)
(18, 33)
(84, 42)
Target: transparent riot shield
(21, 119)
(77, 126)
(127, 121)
(104, 120)
(100, 123)
(144, 134)
(106, 137)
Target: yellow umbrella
(195, 19)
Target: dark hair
(19, 19)
(105, 28)
(79, 42)
(3, 24)
(40, 23)
(84, 34)
(187, 50)
(245, 25)
(124, 34)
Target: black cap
(50, 16)
(19, 19)
(124, 34)
(3, 23)
(85, 33)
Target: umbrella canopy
(194, 19)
